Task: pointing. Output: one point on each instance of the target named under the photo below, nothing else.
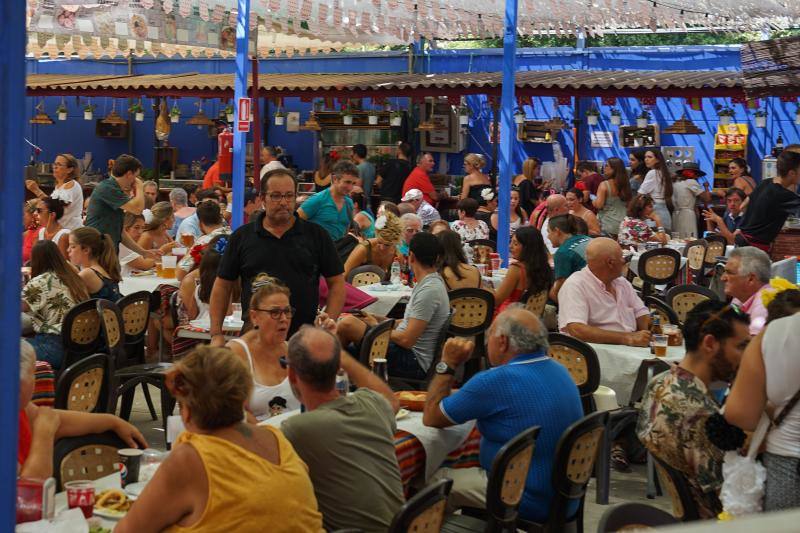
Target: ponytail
(108, 258)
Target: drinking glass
(80, 493)
(660, 342)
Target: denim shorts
(402, 363)
(48, 347)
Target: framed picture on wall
(447, 135)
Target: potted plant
(396, 118)
(592, 116)
(280, 117)
(228, 112)
(463, 115)
(725, 115)
(175, 114)
(642, 119)
(88, 111)
(616, 116)
(761, 118)
(137, 111)
(61, 111)
(519, 116)
(372, 117)
(347, 117)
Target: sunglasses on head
(719, 314)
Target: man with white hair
(524, 388)
(426, 211)
(746, 277)
(179, 200)
(412, 224)
(40, 427)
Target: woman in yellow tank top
(223, 474)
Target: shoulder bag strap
(785, 411)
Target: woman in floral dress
(467, 226)
(635, 229)
(53, 290)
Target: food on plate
(412, 396)
(99, 529)
(113, 500)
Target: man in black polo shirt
(771, 203)
(284, 246)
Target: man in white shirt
(556, 205)
(426, 211)
(269, 158)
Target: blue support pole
(240, 91)
(12, 154)
(507, 130)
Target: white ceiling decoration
(201, 28)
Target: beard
(721, 368)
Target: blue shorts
(402, 363)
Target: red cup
(495, 263)
(81, 494)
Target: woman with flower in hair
(223, 473)
(467, 225)
(379, 250)
(487, 206)
(262, 347)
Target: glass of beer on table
(168, 265)
(187, 240)
(660, 342)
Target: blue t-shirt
(368, 233)
(570, 256)
(366, 171)
(321, 210)
(530, 390)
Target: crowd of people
(294, 258)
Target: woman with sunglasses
(50, 211)
(65, 173)
(262, 347)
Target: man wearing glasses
(284, 246)
(677, 403)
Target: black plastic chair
(658, 267)
(375, 342)
(80, 332)
(534, 302)
(633, 515)
(89, 457)
(695, 254)
(113, 329)
(425, 511)
(365, 275)
(581, 361)
(576, 454)
(684, 507)
(684, 298)
(620, 420)
(717, 245)
(86, 385)
(135, 310)
(473, 310)
(504, 489)
(667, 314)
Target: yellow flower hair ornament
(777, 285)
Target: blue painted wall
(77, 136)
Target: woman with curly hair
(379, 250)
(530, 270)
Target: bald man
(599, 305)
(346, 441)
(555, 205)
(524, 388)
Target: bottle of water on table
(395, 273)
(342, 383)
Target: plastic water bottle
(342, 383)
(395, 273)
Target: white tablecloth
(388, 296)
(620, 364)
(131, 284)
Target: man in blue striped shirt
(524, 388)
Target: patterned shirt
(49, 301)
(671, 425)
(479, 231)
(634, 231)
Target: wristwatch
(444, 368)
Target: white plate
(133, 490)
(109, 513)
(401, 414)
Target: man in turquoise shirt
(564, 233)
(332, 208)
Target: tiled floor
(624, 487)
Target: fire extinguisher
(225, 154)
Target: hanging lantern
(200, 119)
(312, 124)
(113, 117)
(684, 126)
(41, 117)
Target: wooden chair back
(86, 385)
(535, 302)
(365, 275)
(507, 479)
(684, 507)
(664, 311)
(424, 513)
(717, 244)
(375, 343)
(473, 311)
(581, 361)
(658, 267)
(135, 309)
(684, 298)
(80, 332)
(89, 457)
(695, 253)
(113, 328)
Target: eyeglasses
(277, 197)
(718, 315)
(276, 312)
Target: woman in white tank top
(262, 346)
